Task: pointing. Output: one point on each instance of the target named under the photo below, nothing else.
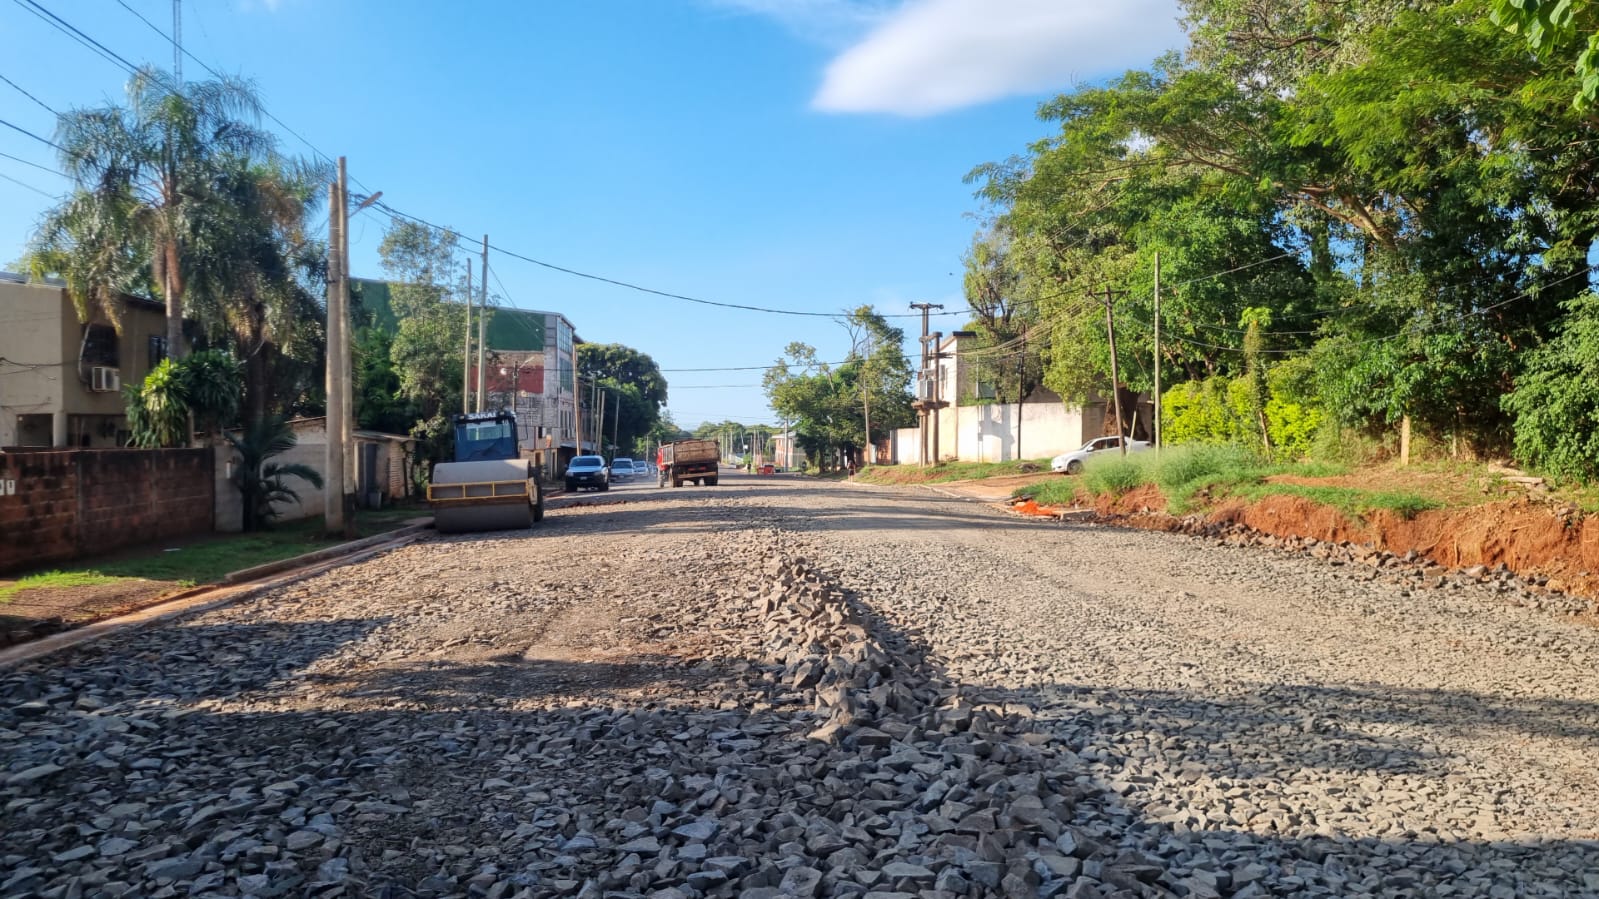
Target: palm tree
(262, 483)
(145, 174)
(253, 270)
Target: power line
(395, 213)
(42, 168)
(24, 93)
(218, 75)
(28, 186)
(43, 140)
(70, 30)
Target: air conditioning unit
(104, 379)
(927, 388)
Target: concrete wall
(993, 433)
(56, 506)
(309, 450)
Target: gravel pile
(814, 692)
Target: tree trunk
(172, 286)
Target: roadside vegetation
(207, 561)
(949, 471)
(1190, 478)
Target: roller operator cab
(489, 486)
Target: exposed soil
(40, 611)
(1534, 538)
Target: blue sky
(792, 154)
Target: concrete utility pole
(333, 453)
(577, 405)
(1109, 296)
(1157, 354)
(482, 322)
(866, 401)
(346, 366)
(616, 426)
(466, 354)
(921, 407)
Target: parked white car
(1072, 462)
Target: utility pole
(616, 425)
(601, 421)
(866, 400)
(482, 322)
(1157, 354)
(921, 405)
(1109, 296)
(466, 354)
(577, 405)
(346, 369)
(1021, 398)
(938, 397)
(333, 452)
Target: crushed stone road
(784, 688)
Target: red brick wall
(75, 503)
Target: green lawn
(207, 561)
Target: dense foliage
(1394, 200)
(829, 406)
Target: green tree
(145, 179)
(254, 271)
(633, 383)
(1556, 402)
(202, 388)
(428, 297)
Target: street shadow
(416, 764)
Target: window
(156, 348)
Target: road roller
(488, 487)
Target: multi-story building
(530, 368)
(61, 379)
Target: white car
(1072, 462)
(621, 469)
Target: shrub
(1112, 474)
(1555, 402)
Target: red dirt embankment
(1527, 537)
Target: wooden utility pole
(1109, 296)
(1157, 354)
(333, 452)
(482, 322)
(466, 354)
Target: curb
(203, 599)
(259, 571)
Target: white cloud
(824, 21)
(932, 56)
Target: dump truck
(488, 487)
(688, 460)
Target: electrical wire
(397, 214)
(19, 89)
(42, 168)
(43, 140)
(72, 31)
(28, 186)
(215, 74)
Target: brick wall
(75, 503)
